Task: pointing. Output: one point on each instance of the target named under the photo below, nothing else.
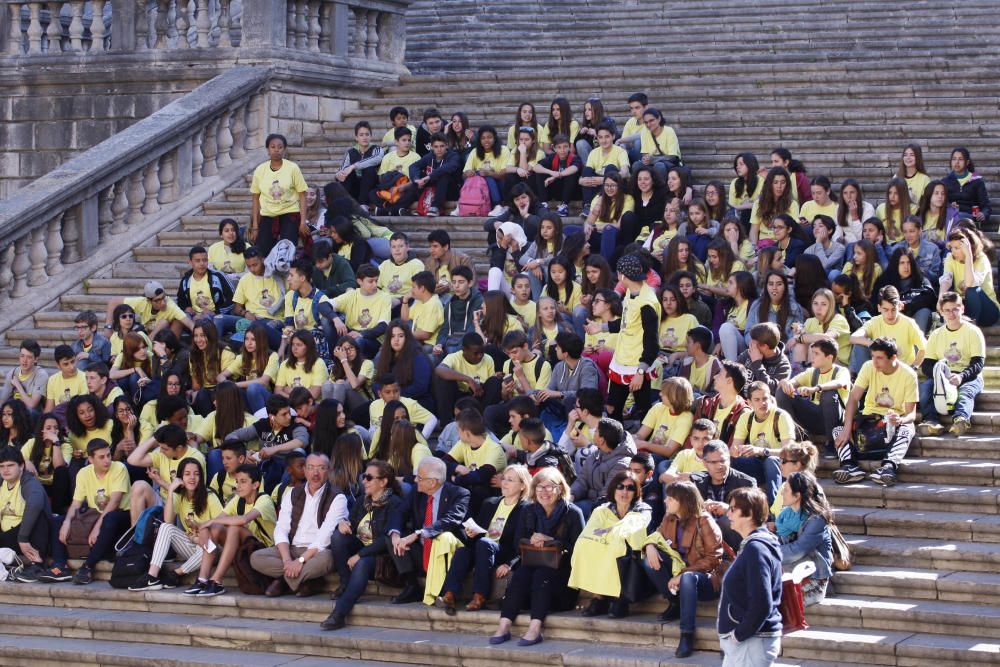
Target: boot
(686, 646)
(672, 612)
(597, 607)
(619, 609)
(447, 601)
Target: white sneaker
(454, 213)
(499, 209)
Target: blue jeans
(923, 319)
(480, 557)
(226, 324)
(980, 307)
(859, 355)
(380, 248)
(256, 396)
(272, 471)
(765, 469)
(356, 580)
(695, 587)
(605, 241)
(964, 404)
(213, 463)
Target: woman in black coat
(915, 290)
(357, 541)
(967, 189)
(496, 550)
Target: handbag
(386, 572)
(634, 582)
(547, 555)
(840, 548)
(78, 540)
(792, 608)
(249, 580)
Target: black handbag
(634, 582)
(547, 555)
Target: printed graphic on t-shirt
(202, 301)
(883, 399)
(266, 300)
(952, 354)
(276, 191)
(101, 499)
(395, 284)
(300, 318)
(669, 338)
(496, 528)
(365, 318)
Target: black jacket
(221, 290)
(510, 538)
(449, 165)
(973, 193)
(735, 480)
(450, 515)
(379, 526)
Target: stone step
(119, 286)
(981, 472)
(924, 553)
(915, 496)
(161, 271)
(955, 525)
(971, 588)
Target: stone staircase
(845, 87)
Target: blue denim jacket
(813, 542)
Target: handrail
(110, 189)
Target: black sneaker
(83, 576)
(848, 474)
(212, 589)
(196, 588)
(885, 475)
(169, 579)
(147, 582)
(28, 574)
(54, 575)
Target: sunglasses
(626, 487)
(789, 461)
(370, 478)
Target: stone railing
(369, 30)
(111, 189)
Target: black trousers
(360, 185)
(446, 394)
(441, 188)
(38, 538)
(618, 394)
(287, 228)
(540, 589)
(563, 190)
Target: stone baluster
(301, 24)
(162, 10)
(290, 25)
(105, 216)
(136, 195)
(225, 40)
(6, 275)
(76, 27)
(197, 158)
(120, 207)
(151, 184)
(54, 32)
(36, 257)
(168, 178)
(141, 25)
(20, 266)
(71, 223)
(325, 26)
(54, 246)
(225, 141)
(371, 48)
(14, 32)
(312, 39)
(210, 149)
(97, 28)
(182, 23)
(254, 115)
(360, 32)
(239, 133)
(34, 28)
(203, 23)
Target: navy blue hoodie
(751, 590)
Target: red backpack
(474, 198)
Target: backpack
(131, 562)
(389, 187)
(474, 198)
(425, 201)
(565, 463)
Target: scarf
(789, 522)
(376, 503)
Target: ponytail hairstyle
(794, 166)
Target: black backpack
(130, 563)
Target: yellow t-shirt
(393, 161)
(673, 332)
(224, 259)
(257, 294)
(489, 453)
(499, 520)
(389, 138)
(917, 184)
(607, 218)
(686, 461)
(700, 377)
(982, 270)
(905, 332)
(957, 347)
(226, 357)
(573, 300)
(528, 312)
(225, 489)
(97, 492)
(721, 415)
(418, 413)
(887, 392)
(235, 369)
(429, 316)
(660, 243)
(665, 144)
(189, 519)
(764, 231)
(616, 156)
(737, 315)
(44, 468)
(200, 293)
(632, 126)
(206, 429)
(167, 467)
(79, 443)
(604, 339)
(805, 379)
(145, 316)
(263, 526)
(513, 438)
(60, 389)
(811, 209)
(838, 326)
(298, 376)
(482, 371)
(365, 534)
(12, 506)
(735, 199)
(496, 163)
(279, 190)
(779, 501)
(397, 279)
(301, 309)
(542, 138)
(629, 348)
(539, 382)
(117, 344)
(667, 426)
(761, 434)
(363, 311)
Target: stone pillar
(123, 19)
(264, 23)
(341, 37)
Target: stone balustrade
(113, 188)
(57, 27)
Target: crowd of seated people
(617, 385)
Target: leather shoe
(276, 588)
(409, 594)
(530, 642)
(500, 639)
(334, 621)
(671, 613)
(308, 588)
(338, 591)
(476, 603)
(619, 609)
(597, 607)
(447, 602)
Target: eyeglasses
(625, 487)
(547, 488)
(370, 478)
(315, 468)
(127, 316)
(598, 300)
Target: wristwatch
(640, 372)
(302, 560)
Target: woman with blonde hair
(490, 555)
(827, 323)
